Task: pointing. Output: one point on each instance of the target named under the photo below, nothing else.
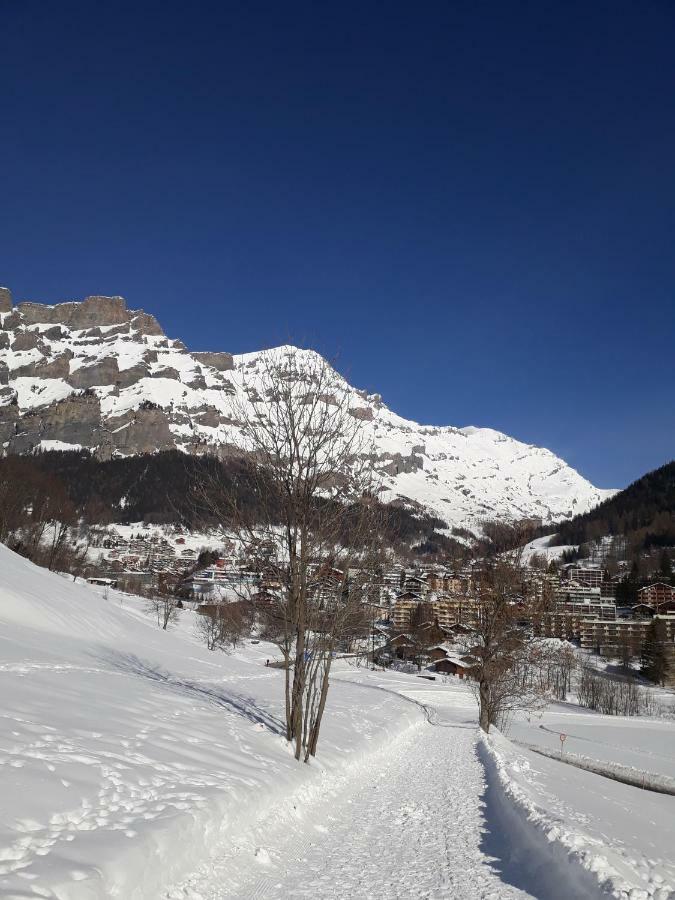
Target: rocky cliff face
(96, 375)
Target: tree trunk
(316, 726)
(298, 692)
(484, 695)
(289, 720)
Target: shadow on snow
(520, 852)
(243, 706)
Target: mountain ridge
(94, 374)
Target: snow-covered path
(408, 824)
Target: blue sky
(471, 204)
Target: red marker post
(563, 738)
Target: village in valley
(418, 616)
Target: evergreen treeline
(644, 513)
(168, 487)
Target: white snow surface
(644, 744)
(541, 547)
(462, 475)
(126, 751)
(135, 764)
(619, 833)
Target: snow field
(127, 753)
(643, 744)
(621, 835)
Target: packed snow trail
(408, 825)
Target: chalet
(401, 646)
(429, 633)
(454, 664)
(439, 652)
(457, 628)
(104, 582)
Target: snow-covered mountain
(94, 374)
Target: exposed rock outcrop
(5, 300)
(26, 340)
(92, 313)
(143, 431)
(220, 361)
(106, 371)
(75, 420)
(364, 413)
(59, 367)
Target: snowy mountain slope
(127, 752)
(97, 375)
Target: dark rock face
(74, 420)
(59, 367)
(198, 383)
(54, 334)
(399, 464)
(223, 362)
(92, 314)
(100, 311)
(142, 431)
(130, 376)
(167, 372)
(364, 413)
(9, 417)
(146, 324)
(26, 340)
(208, 416)
(11, 321)
(5, 300)
(100, 373)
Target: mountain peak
(98, 376)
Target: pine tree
(655, 658)
(666, 568)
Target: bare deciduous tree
(165, 607)
(223, 625)
(505, 656)
(313, 519)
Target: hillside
(644, 513)
(125, 751)
(98, 376)
(159, 489)
(134, 763)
